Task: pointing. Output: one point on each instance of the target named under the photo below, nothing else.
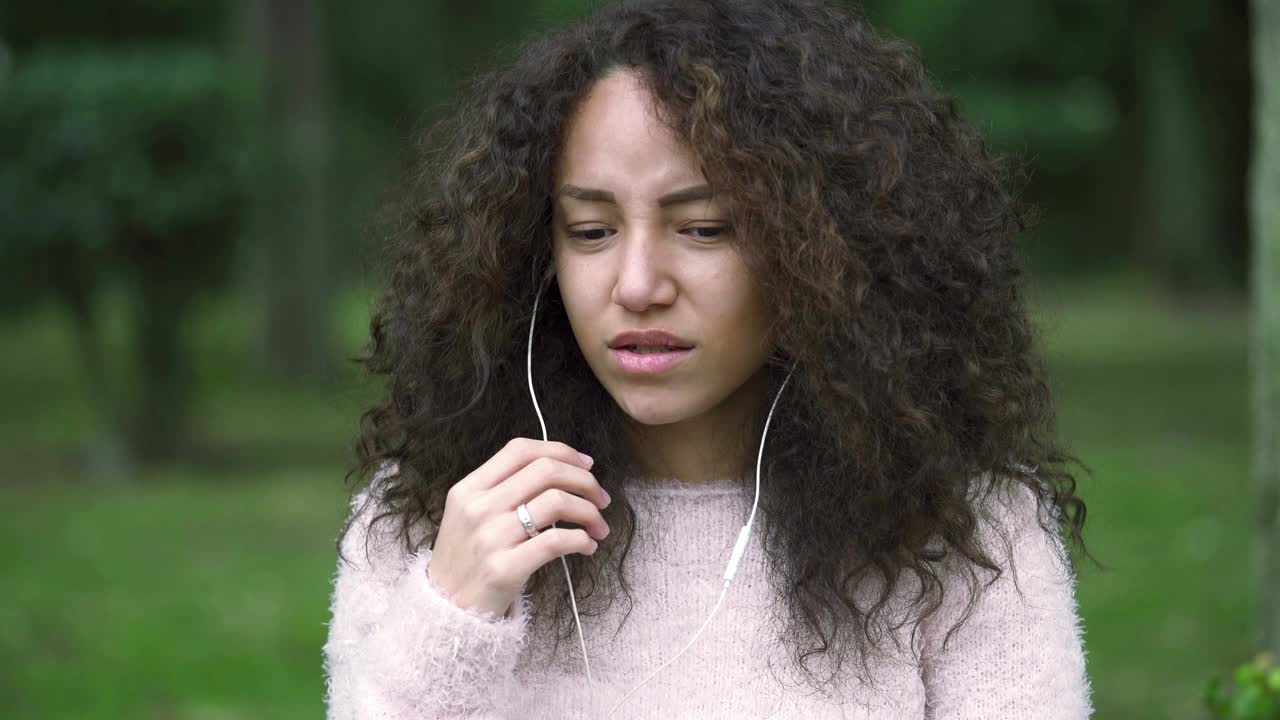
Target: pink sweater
(398, 648)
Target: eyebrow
(687, 195)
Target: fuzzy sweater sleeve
(1020, 654)
(399, 648)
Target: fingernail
(586, 459)
(607, 499)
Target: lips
(657, 338)
(636, 363)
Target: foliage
(123, 165)
(1061, 105)
(1256, 692)
(108, 155)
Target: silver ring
(526, 521)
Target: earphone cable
(739, 548)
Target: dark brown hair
(876, 222)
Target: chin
(653, 407)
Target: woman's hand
(482, 556)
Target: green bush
(1256, 695)
(124, 167)
(119, 153)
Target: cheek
(578, 296)
(574, 288)
(741, 314)
(754, 320)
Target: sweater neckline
(674, 486)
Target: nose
(643, 274)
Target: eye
(582, 234)
(712, 231)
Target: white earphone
(735, 558)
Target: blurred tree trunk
(294, 248)
(1194, 101)
(1230, 109)
(159, 419)
(107, 453)
(1178, 217)
(1265, 353)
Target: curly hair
(877, 224)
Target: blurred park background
(189, 194)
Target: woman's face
(639, 245)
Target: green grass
(1154, 398)
(193, 596)
(202, 592)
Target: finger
(532, 554)
(557, 506)
(544, 474)
(514, 456)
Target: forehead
(615, 141)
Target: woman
(654, 222)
